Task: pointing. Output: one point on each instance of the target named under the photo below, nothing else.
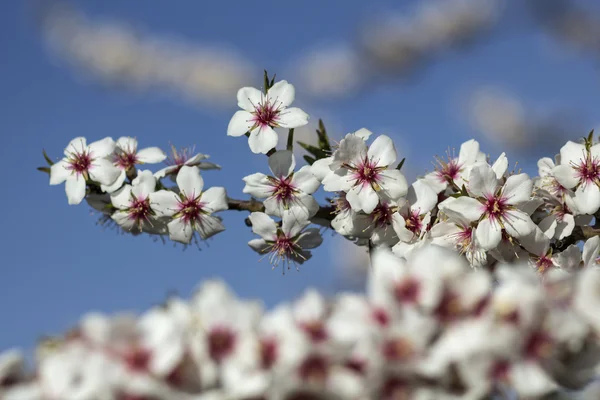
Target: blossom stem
(290, 140)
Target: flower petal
(321, 168)
(310, 238)
(571, 153)
(215, 199)
(164, 203)
(483, 181)
(259, 246)
(587, 198)
(305, 181)
(291, 225)
(262, 139)
(465, 208)
(362, 198)
(151, 155)
(518, 224)
(282, 163)
(104, 172)
(292, 117)
(75, 189)
(488, 234)
(591, 250)
(127, 144)
(500, 166)
(393, 183)
(102, 148)
(144, 184)
(76, 146)
(421, 196)
(382, 151)
(121, 198)
(469, 151)
(263, 225)
(123, 220)
(566, 176)
(257, 185)
(116, 185)
(240, 123)
(180, 231)
(249, 98)
(59, 172)
(517, 189)
(190, 181)
(281, 94)
(209, 226)
(352, 150)
(363, 133)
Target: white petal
(77, 146)
(572, 152)
(529, 380)
(305, 181)
(116, 185)
(179, 231)
(469, 151)
(548, 226)
(518, 224)
(144, 184)
(121, 198)
(362, 198)
(566, 176)
(209, 226)
(399, 226)
(382, 151)
(123, 220)
(104, 172)
(545, 166)
(257, 185)
(151, 155)
(260, 246)
(190, 181)
(443, 234)
(363, 133)
(281, 93)
(587, 198)
(591, 250)
(488, 234)
(262, 139)
(466, 208)
(517, 189)
(393, 183)
(263, 225)
(482, 181)
(321, 168)
(215, 199)
(282, 163)
(421, 196)
(240, 123)
(164, 203)
(75, 189)
(500, 166)
(127, 144)
(310, 238)
(338, 181)
(352, 149)
(291, 225)
(536, 242)
(59, 172)
(565, 227)
(249, 98)
(102, 148)
(292, 117)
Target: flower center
(138, 359)
(284, 248)
(543, 264)
(407, 291)
(220, 343)
(314, 369)
(139, 210)
(382, 215)
(413, 222)
(449, 170)
(125, 160)
(449, 308)
(283, 190)
(539, 345)
(268, 352)
(589, 171)
(80, 163)
(315, 330)
(366, 173)
(190, 210)
(179, 157)
(398, 349)
(495, 207)
(266, 114)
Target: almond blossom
(179, 158)
(83, 163)
(191, 210)
(289, 242)
(365, 174)
(262, 112)
(286, 190)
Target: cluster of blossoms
(428, 327)
(482, 278)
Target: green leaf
(310, 160)
(400, 164)
(315, 151)
(590, 137)
(47, 158)
(266, 81)
(44, 169)
(323, 138)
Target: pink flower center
(190, 210)
(80, 163)
(543, 264)
(366, 172)
(221, 342)
(449, 170)
(382, 215)
(539, 345)
(268, 352)
(395, 388)
(267, 113)
(449, 308)
(316, 330)
(137, 359)
(283, 190)
(413, 222)
(125, 160)
(314, 368)
(588, 171)
(381, 317)
(407, 291)
(179, 157)
(139, 209)
(495, 207)
(284, 249)
(398, 349)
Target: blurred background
(520, 76)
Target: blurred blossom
(505, 119)
(116, 53)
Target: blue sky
(56, 263)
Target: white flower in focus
(547, 181)
(182, 157)
(192, 208)
(580, 170)
(262, 112)
(286, 190)
(495, 206)
(412, 218)
(84, 162)
(288, 243)
(126, 156)
(135, 202)
(366, 174)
